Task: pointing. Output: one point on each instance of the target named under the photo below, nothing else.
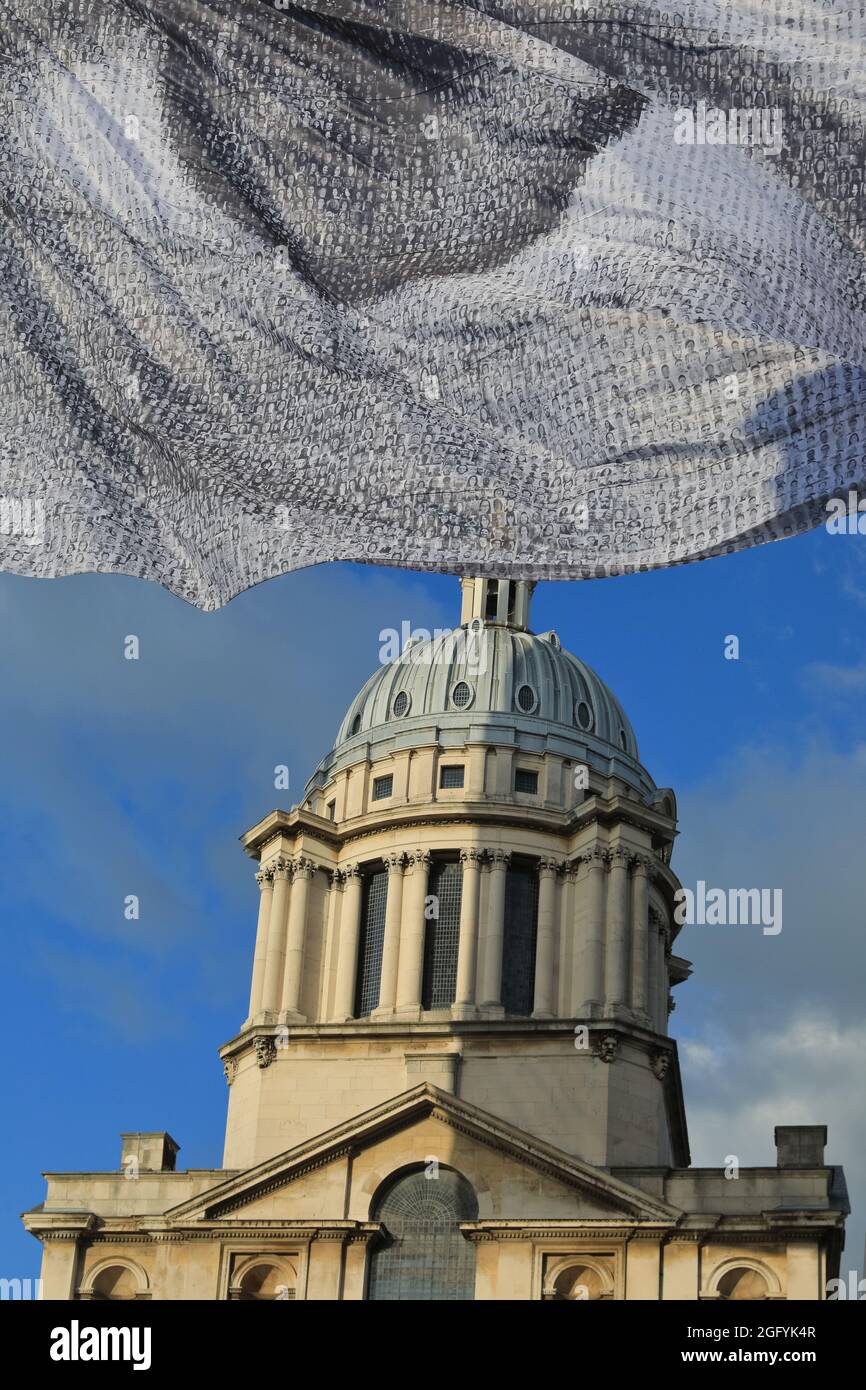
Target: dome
(489, 670)
(490, 680)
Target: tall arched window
(518, 947)
(424, 1256)
(442, 935)
(371, 942)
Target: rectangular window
(332, 810)
(382, 787)
(441, 935)
(525, 781)
(372, 942)
(451, 776)
(518, 947)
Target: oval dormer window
(461, 695)
(400, 707)
(356, 725)
(583, 715)
(526, 699)
(623, 740)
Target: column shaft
(411, 960)
(276, 949)
(543, 1006)
(491, 985)
(467, 950)
(593, 891)
(640, 996)
(303, 871)
(570, 992)
(391, 944)
(616, 985)
(265, 880)
(350, 935)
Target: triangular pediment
(305, 1181)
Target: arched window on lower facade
(115, 1283)
(742, 1283)
(424, 1257)
(372, 941)
(442, 934)
(518, 946)
(263, 1279)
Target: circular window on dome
(461, 695)
(526, 699)
(356, 725)
(401, 704)
(623, 740)
(583, 714)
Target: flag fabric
(553, 289)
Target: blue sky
(137, 777)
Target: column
(593, 892)
(265, 880)
(350, 935)
(617, 934)
(570, 992)
(467, 950)
(276, 950)
(411, 961)
(640, 996)
(302, 872)
(664, 979)
(391, 944)
(545, 941)
(656, 964)
(491, 985)
(332, 944)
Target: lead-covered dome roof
(490, 681)
(490, 670)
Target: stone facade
(456, 1056)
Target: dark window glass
(382, 787)
(356, 724)
(492, 602)
(372, 940)
(332, 810)
(525, 781)
(425, 1258)
(518, 947)
(583, 714)
(526, 698)
(451, 776)
(441, 934)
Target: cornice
(561, 823)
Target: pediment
(516, 1175)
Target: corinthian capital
(594, 858)
(303, 868)
(281, 866)
(394, 863)
(641, 863)
(265, 876)
(470, 856)
(499, 858)
(419, 859)
(548, 866)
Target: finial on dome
(504, 602)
